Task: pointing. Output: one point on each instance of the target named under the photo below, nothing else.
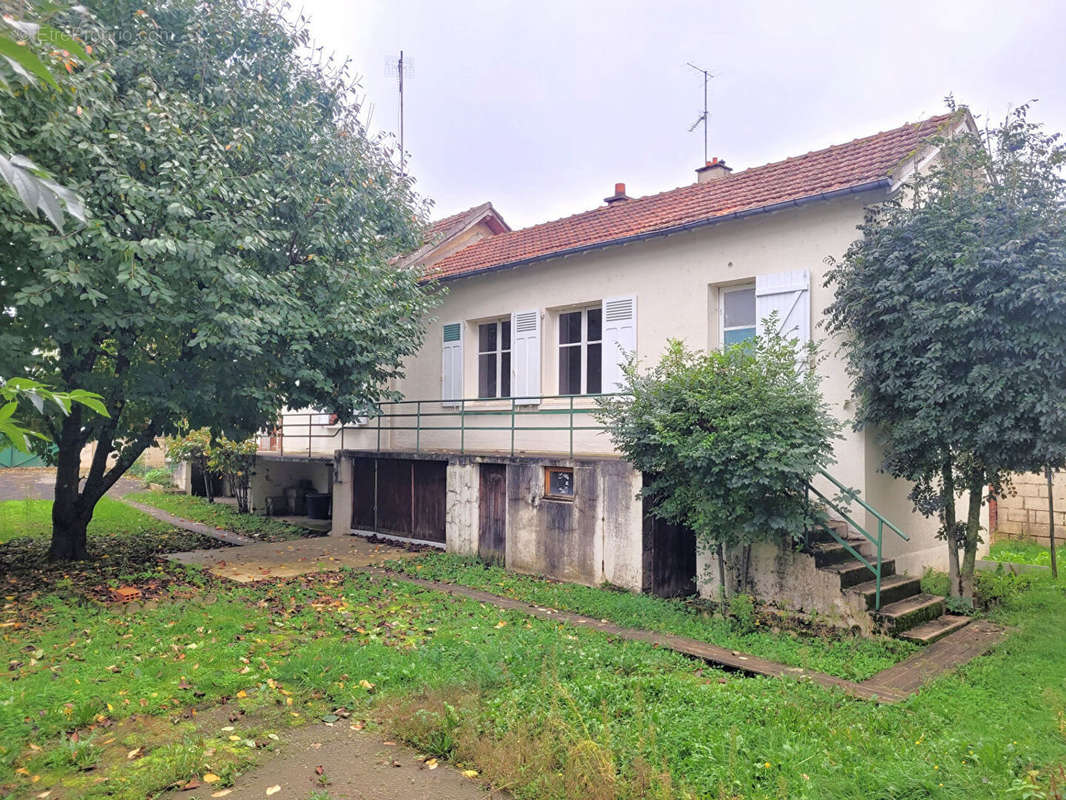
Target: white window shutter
(525, 357)
(451, 383)
(789, 294)
(619, 338)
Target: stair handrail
(877, 541)
(854, 495)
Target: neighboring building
(494, 451)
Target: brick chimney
(618, 196)
(713, 170)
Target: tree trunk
(973, 536)
(721, 570)
(68, 529)
(1051, 523)
(72, 510)
(207, 481)
(947, 497)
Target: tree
(237, 255)
(192, 448)
(19, 54)
(953, 306)
(727, 440)
(235, 461)
(18, 432)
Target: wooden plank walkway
(888, 686)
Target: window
(737, 314)
(494, 359)
(559, 483)
(581, 351)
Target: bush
(727, 440)
(742, 610)
(996, 588)
(160, 475)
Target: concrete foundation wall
(788, 579)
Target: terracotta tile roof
(841, 167)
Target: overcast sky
(541, 107)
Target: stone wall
(1024, 514)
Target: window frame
(582, 344)
(498, 352)
(548, 494)
(722, 329)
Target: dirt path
(350, 765)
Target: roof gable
(867, 162)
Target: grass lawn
(538, 707)
(841, 655)
(33, 518)
(1025, 552)
(221, 515)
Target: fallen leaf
(221, 793)
(134, 753)
(469, 773)
(432, 763)
(192, 784)
(210, 777)
(273, 790)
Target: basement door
(669, 558)
(400, 497)
(492, 513)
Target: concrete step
(839, 527)
(893, 589)
(834, 552)
(934, 629)
(853, 571)
(910, 612)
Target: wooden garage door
(402, 497)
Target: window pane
(739, 308)
(594, 381)
(738, 335)
(570, 327)
(561, 483)
(569, 370)
(505, 375)
(505, 334)
(486, 337)
(486, 375)
(595, 324)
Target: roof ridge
(862, 161)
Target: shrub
(996, 588)
(160, 475)
(727, 440)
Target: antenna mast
(399, 73)
(702, 117)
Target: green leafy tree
(237, 255)
(235, 461)
(17, 429)
(191, 448)
(953, 307)
(727, 440)
(29, 50)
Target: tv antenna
(403, 70)
(703, 118)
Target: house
(494, 450)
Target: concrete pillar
(343, 495)
(461, 511)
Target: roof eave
(868, 186)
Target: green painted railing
(518, 408)
(844, 510)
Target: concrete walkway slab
(266, 560)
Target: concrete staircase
(906, 611)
